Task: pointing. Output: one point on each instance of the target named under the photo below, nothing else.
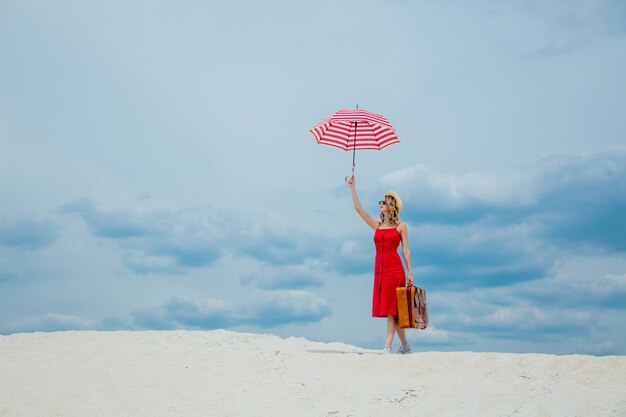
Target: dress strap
(399, 223)
(379, 224)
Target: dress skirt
(388, 272)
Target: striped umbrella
(355, 129)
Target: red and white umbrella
(353, 130)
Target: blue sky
(156, 170)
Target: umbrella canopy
(355, 130)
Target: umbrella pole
(356, 124)
(354, 148)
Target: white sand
(221, 373)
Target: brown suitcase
(412, 307)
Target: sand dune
(222, 373)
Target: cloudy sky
(156, 170)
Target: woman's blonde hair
(392, 209)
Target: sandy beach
(223, 373)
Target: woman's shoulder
(401, 226)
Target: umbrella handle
(346, 178)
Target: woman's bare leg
(391, 329)
(401, 334)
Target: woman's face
(382, 206)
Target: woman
(388, 269)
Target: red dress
(388, 272)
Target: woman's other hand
(351, 181)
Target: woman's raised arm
(371, 222)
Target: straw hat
(396, 197)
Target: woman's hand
(351, 181)
(410, 280)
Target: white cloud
(27, 232)
(257, 308)
(310, 273)
(427, 186)
(48, 322)
(141, 262)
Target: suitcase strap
(411, 302)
